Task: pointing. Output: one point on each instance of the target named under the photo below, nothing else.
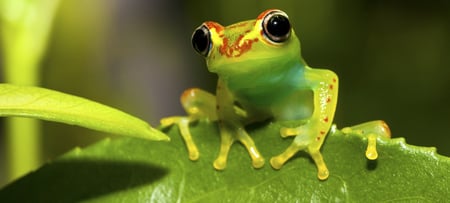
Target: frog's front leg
(371, 130)
(229, 134)
(310, 136)
(231, 120)
(198, 104)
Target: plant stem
(23, 134)
(25, 27)
(23, 146)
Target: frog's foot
(303, 142)
(183, 125)
(278, 161)
(371, 130)
(227, 139)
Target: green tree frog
(263, 76)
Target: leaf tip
(158, 135)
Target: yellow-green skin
(261, 80)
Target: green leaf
(35, 102)
(130, 170)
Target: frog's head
(263, 47)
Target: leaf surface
(132, 170)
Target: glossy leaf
(130, 170)
(41, 103)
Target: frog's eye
(201, 40)
(276, 26)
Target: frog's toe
(290, 132)
(183, 124)
(258, 162)
(322, 170)
(372, 131)
(220, 163)
(371, 152)
(277, 162)
(194, 155)
(169, 121)
(323, 173)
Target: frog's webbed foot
(303, 142)
(183, 125)
(228, 137)
(372, 130)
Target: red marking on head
(236, 49)
(219, 28)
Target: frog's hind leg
(371, 130)
(198, 104)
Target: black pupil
(278, 26)
(200, 40)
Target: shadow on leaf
(372, 164)
(73, 181)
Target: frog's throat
(268, 87)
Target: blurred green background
(392, 57)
